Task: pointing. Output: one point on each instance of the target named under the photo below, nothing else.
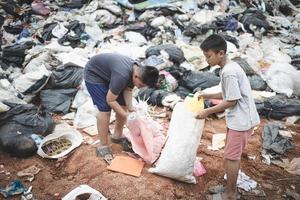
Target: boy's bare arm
(128, 98)
(111, 99)
(210, 96)
(218, 108)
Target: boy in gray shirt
(240, 111)
(110, 79)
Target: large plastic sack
(175, 53)
(283, 78)
(17, 126)
(179, 154)
(194, 79)
(65, 77)
(146, 138)
(57, 100)
(61, 142)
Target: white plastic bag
(179, 154)
(283, 78)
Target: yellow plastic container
(192, 103)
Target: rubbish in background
(29, 172)
(86, 115)
(61, 142)
(167, 81)
(91, 130)
(19, 124)
(273, 141)
(279, 106)
(244, 182)
(84, 191)
(184, 135)
(218, 141)
(126, 165)
(199, 169)
(14, 188)
(57, 100)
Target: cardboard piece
(91, 130)
(218, 141)
(126, 165)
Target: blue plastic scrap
(14, 188)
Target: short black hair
(149, 75)
(215, 43)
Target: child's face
(214, 58)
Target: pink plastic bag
(146, 139)
(199, 169)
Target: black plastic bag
(153, 96)
(18, 124)
(65, 77)
(58, 100)
(17, 50)
(1, 20)
(182, 91)
(199, 80)
(257, 83)
(47, 31)
(279, 106)
(13, 29)
(146, 30)
(175, 53)
(245, 65)
(37, 86)
(75, 3)
(254, 17)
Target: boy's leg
(119, 125)
(102, 127)
(232, 169)
(235, 144)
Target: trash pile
(46, 44)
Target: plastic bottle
(192, 103)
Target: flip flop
(126, 145)
(105, 153)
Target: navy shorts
(98, 92)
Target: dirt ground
(58, 177)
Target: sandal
(105, 153)
(126, 145)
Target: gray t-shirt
(236, 86)
(113, 69)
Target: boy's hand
(202, 95)
(202, 114)
(131, 109)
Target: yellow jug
(192, 103)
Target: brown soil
(58, 177)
